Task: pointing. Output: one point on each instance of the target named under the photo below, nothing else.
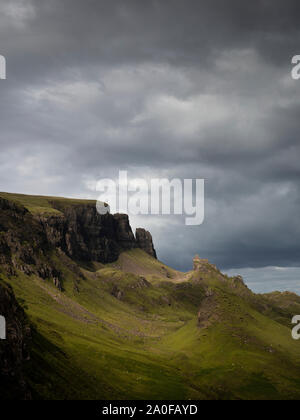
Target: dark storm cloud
(196, 89)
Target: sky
(163, 89)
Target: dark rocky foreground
(14, 351)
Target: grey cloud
(161, 88)
(270, 279)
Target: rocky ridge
(27, 240)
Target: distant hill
(95, 316)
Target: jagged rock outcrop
(82, 233)
(237, 281)
(203, 264)
(85, 235)
(145, 242)
(198, 263)
(124, 235)
(14, 350)
(27, 241)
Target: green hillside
(134, 328)
(122, 335)
(42, 204)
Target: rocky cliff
(32, 243)
(145, 242)
(28, 240)
(85, 235)
(82, 233)
(14, 351)
(24, 245)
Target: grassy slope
(148, 344)
(137, 262)
(91, 345)
(41, 204)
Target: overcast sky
(162, 88)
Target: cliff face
(84, 235)
(27, 241)
(145, 242)
(14, 350)
(124, 235)
(24, 245)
